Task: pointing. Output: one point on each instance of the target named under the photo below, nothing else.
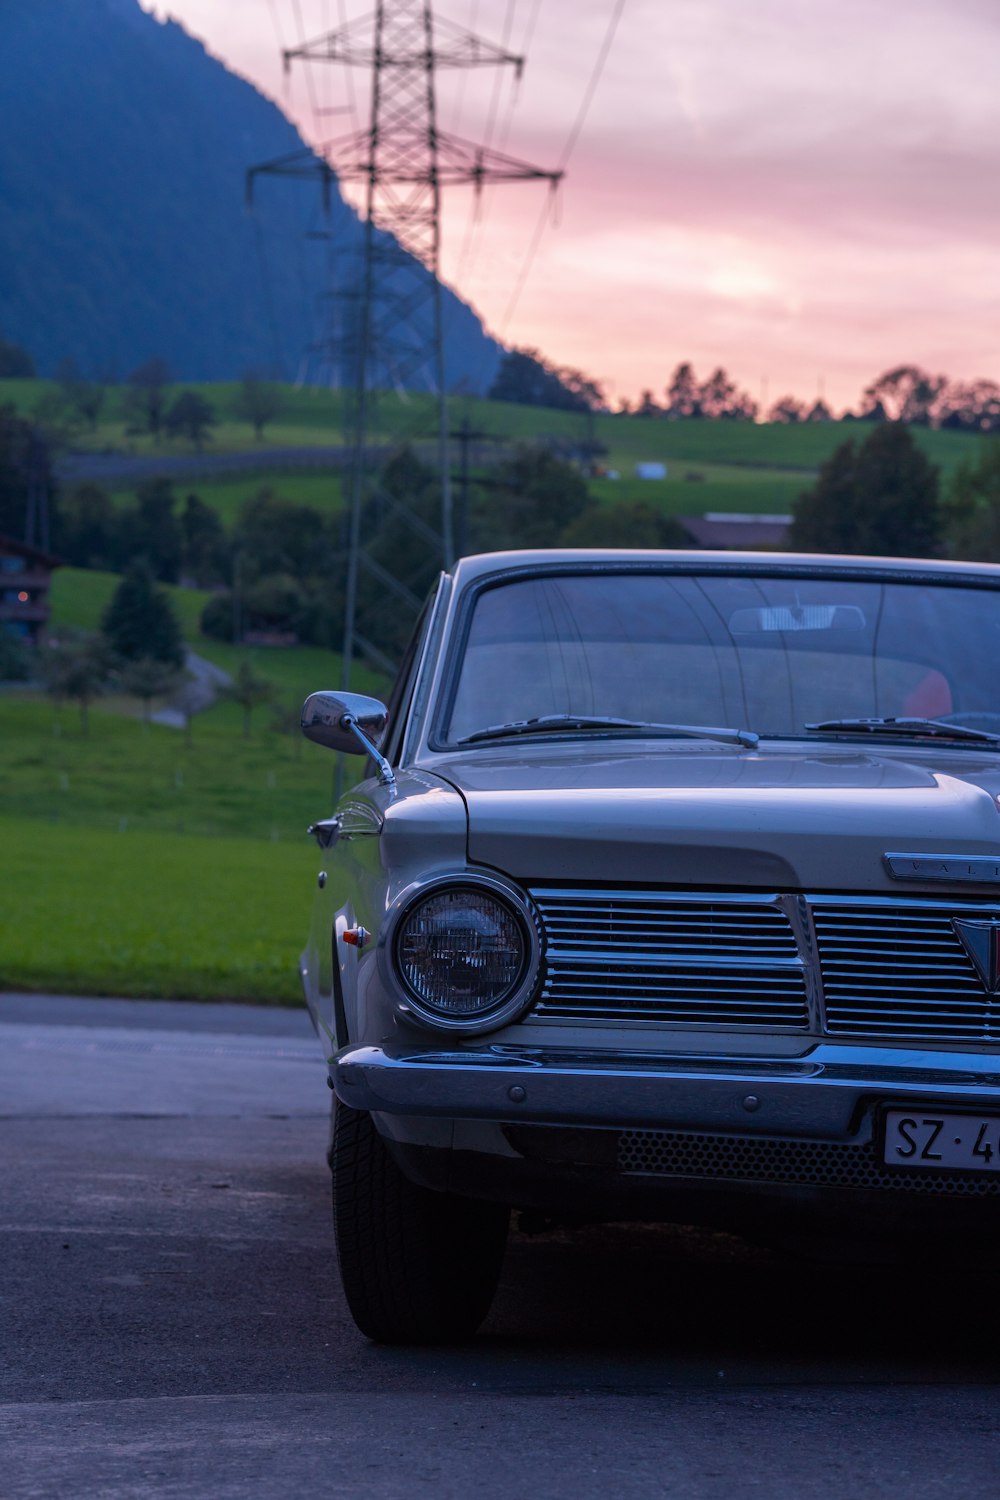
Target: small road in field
(172, 1323)
(118, 470)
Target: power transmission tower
(395, 322)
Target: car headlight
(466, 955)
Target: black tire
(418, 1267)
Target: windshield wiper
(934, 728)
(550, 723)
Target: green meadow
(711, 466)
(140, 861)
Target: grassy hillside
(315, 417)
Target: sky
(803, 191)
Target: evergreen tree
(879, 499)
(150, 530)
(972, 510)
(203, 542)
(140, 622)
(87, 532)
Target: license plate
(968, 1142)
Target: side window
(402, 690)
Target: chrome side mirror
(350, 723)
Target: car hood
(698, 814)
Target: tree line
(904, 393)
(148, 401)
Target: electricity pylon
(404, 159)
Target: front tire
(418, 1267)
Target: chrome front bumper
(822, 1095)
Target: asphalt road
(171, 1322)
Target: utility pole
(404, 160)
(465, 437)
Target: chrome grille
(685, 959)
(876, 967)
(898, 968)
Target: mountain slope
(124, 230)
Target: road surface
(172, 1323)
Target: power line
(310, 81)
(568, 149)
(595, 79)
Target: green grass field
(312, 417)
(227, 495)
(139, 864)
(90, 911)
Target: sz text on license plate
(915, 1138)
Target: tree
(15, 363)
(204, 548)
(258, 402)
(25, 469)
(787, 409)
(635, 524)
(974, 407)
(87, 530)
(286, 718)
(146, 678)
(140, 622)
(249, 690)
(82, 398)
(527, 377)
(146, 397)
(721, 398)
(78, 668)
(972, 508)
(531, 500)
(819, 412)
(190, 416)
(906, 394)
(274, 535)
(149, 529)
(683, 393)
(880, 498)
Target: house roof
(25, 549)
(721, 531)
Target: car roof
(505, 564)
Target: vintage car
(673, 893)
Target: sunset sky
(803, 190)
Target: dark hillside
(124, 232)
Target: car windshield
(770, 654)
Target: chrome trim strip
(800, 918)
